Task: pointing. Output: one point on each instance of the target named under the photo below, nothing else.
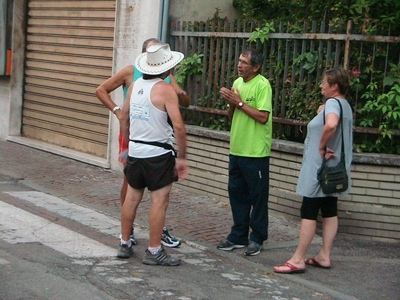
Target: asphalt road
(51, 248)
(59, 223)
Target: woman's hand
(328, 153)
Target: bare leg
(124, 189)
(329, 230)
(159, 205)
(128, 212)
(307, 232)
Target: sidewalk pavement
(360, 269)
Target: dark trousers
(248, 189)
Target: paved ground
(361, 269)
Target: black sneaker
(228, 246)
(168, 240)
(133, 240)
(161, 258)
(124, 251)
(253, 249)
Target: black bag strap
(157, 144)
(342, 155)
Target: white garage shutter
(69, 53)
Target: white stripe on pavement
(3, 261)
(85, 216)
(89, 217)
(19, 226)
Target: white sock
(154, 250)
(128, 242)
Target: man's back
(148, 120)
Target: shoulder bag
(334, 179)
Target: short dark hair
(256, 57)
(151, 76)
(148, 76)
(340, 77)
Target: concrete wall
(194, 10)
(4, 105)
(370, 211)
(11, 86)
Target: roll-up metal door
(69, 53)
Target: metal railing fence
(295, 57)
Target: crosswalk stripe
(88, 217)
(83, 215)
(3, 261)
(70, 210)
(19, 226)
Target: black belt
(157, 144)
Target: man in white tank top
(152, 162)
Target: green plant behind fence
(294, 65)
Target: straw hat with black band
(158, 59)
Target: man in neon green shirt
(250, 108)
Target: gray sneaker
(124, 251)
(253, 249)
(161, 258)
(228, 246)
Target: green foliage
(369, 13)
(221, 123)
(261, 34)
(382, 111)
(202, 101)
(192, 65)
(375, 95)
(393, 76)
(308, 61)
(304, 102)
(294, 67)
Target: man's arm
(172, 108)
(122, 78)
(233, 100)
(183, 98)
(165, 95)
(124, 119)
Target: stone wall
(370, 211)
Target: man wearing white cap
(152, 161)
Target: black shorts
(311, 206)
(153, 173)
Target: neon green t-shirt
(250, 138)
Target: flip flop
(313, 262)
(292, 269)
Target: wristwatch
(240, 104)
(115, 109)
